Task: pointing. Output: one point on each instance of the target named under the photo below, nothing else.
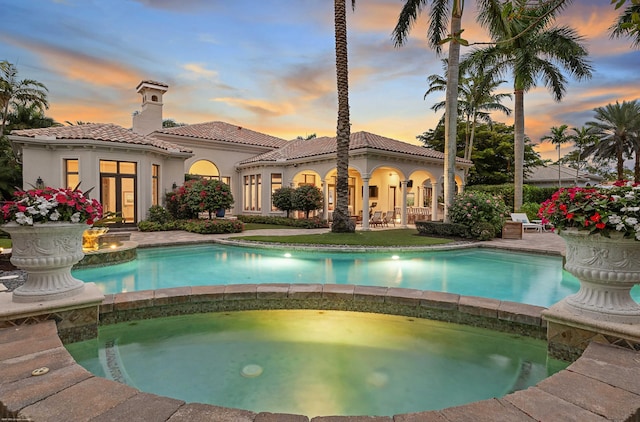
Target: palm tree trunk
(451, 113)
(341, 221)
(620, 163)
(518, 148)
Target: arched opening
(205, 169)
(154, 98)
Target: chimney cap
(161, 86)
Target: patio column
(403, 213)
(434, 200)
(325, 194)
(365, 202)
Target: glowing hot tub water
(315, 362)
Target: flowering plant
(471, 208)
(198, 195)
(50, 204)
(600, 209)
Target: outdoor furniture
(512, 230)
(376, 219)
(390, 217)
(526, 224)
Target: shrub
(150, 226)
(307, 198)
(159, 214)
(214, 226)
(309, 223)
(483, 231)
(438, 228)
(206, 195)
(471, 208)
(178, 208)
(282, 199)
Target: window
(155, 185)
(308, 180)
(276, 183)
(252, 192)
(71, 173)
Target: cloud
(79, 66)
(185, 6)
(198, 70)
(259, 107)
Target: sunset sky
(269, 65)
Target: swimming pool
(517, 277)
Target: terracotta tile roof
(225, 132)
(100, 132)
(298, 149)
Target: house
(560, 176)
(133, 169)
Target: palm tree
(28, 116)
(475, 99)
(628, 25)
(341, 219)
(582, 138)
(558, 137)
(437, 35)
(13, 90)
(617, 128)
(526, 45)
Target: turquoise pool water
(525, 278)
(315, 362)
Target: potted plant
(46, 227)
(601, 228)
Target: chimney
(149, 119)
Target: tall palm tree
(476, 99)
(13, 90)
(628, 25)
(527, 45)
(558, 137)
(617, 128)
(441, 12)
(341, 219)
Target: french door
(118, 189)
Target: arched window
(205, 169)
(154, 98)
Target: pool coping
(603, 384)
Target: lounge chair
(390, 217)
(376, 219)
(526, 224)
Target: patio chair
(376, 219)
(526, 224)
(390, 217)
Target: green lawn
(399, 237)
(5, 243)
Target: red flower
(600, 225)
(595, 217)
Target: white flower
(55, 215)
(75, 217)
(615, 197)
(21, 218)
(32, 210)
(632, 221)
(615, 219)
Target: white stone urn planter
(607, 267)
(47, 252)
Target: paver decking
(603, 384)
